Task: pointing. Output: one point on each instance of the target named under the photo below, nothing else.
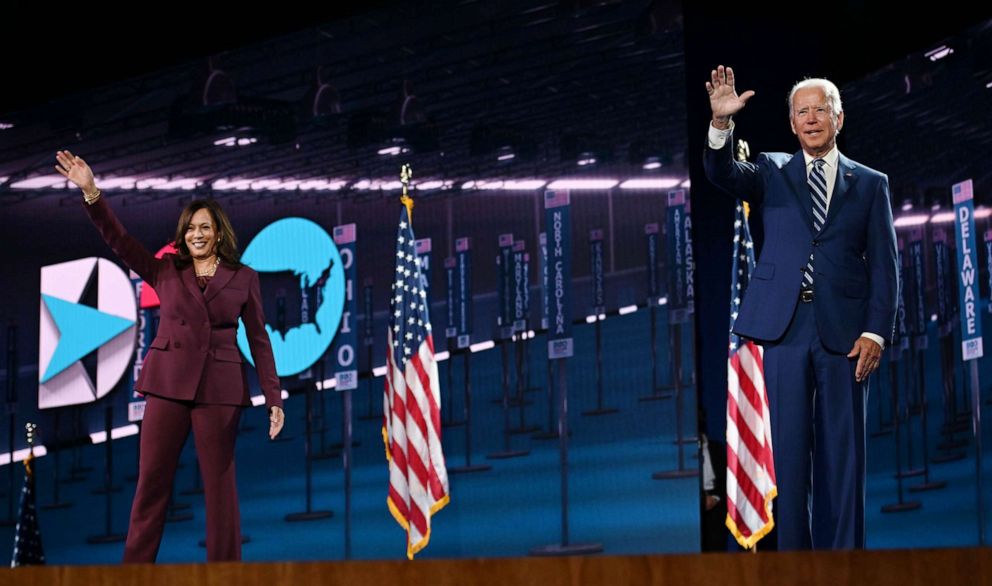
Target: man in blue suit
(821, 301)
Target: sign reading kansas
(88, 308)
(300, 253)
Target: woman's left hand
(276, 418)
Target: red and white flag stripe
(750, 462)
(418, 479)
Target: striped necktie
(818, 191)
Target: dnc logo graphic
(305, 249)
(70, 330)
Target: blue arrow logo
(82, 329)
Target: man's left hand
(869, 355)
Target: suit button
(178, 345)
(182, 322)
(816, 243)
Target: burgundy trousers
(164, 430)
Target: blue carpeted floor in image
(503, 512)
(948, 516)
(516, 505)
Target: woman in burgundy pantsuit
(193, 375)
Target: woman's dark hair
(227, 242)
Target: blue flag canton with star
(743, 265)
(409, 318)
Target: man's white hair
(829, 89)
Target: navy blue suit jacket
(855, 263)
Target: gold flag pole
(30, 429)
(743, 154)
(405, 175)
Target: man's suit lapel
(846, 178)
(795, 172)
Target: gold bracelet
(90, 198)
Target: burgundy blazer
(194, 355)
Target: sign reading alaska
(305, 250)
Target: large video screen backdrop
(494, 107)
(922, 120)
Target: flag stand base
(932, 485)
(675, 474)
(901, 507)
(557, 549)
(601, 411)
(656, 397)
(507, 454)
(467, 469)
(309, 516)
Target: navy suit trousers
(818, 436)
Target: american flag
(418, 480)
(27, 536)
(750, 466)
